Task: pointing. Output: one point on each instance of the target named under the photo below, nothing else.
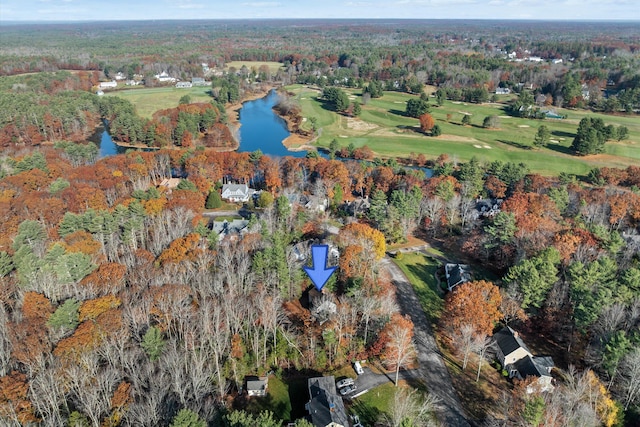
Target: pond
(262, 129)
(105, 143)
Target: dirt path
(432, 368)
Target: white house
(199, 81)
(183, 85)
(557, 61)
(257, 386)
(237, 192)
(164, 77)
(503, 91)
(517, 360)
(108, 85)
(120, 76)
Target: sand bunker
(486, 146)
(477, 145)
(505, 117)
(456, 102)
(399, 102)
(555, 141)
(359, 124)
(465, 113)
(343, 136)
(524, 126)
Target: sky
(101, 10)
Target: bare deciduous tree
(410, 407)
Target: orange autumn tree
(363, 247)
(473, 303)
(426, 122)
(14, 400)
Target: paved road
(432, 368)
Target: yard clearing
(149, 100)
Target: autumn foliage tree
(426, 122)
(474, 303)
(363, 247)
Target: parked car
(358, 368)
(348, 389)
(345, 382)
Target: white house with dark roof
(236, 192)
(515, 357)
(257, 386)
(326, 408)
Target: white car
(358, 368)
(348, 389)
(345, 382)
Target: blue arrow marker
(319, 273)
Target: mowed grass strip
(384, 127)
(421, 272)
(149, 100)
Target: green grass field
(277, 400)
(421, 272)
(273, 66)
(386, 130)
(148, 101)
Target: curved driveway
(432, 369)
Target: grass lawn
(277, 400)
(386, 130)
(149, 100)
(421, 271)
(371, 406)
(273, 66)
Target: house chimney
(515, 334)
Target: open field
(386, 130)
(273, 66)
(148, 101)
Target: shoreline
(296, 141)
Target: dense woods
(122, 305)
(108, 276)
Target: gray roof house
(229, 228)
(321, 305)
(456, 274)
(236, 192)
(517, 360)
(326, 408)
(257, 386)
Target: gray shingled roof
(509, 341)
(325, 405)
